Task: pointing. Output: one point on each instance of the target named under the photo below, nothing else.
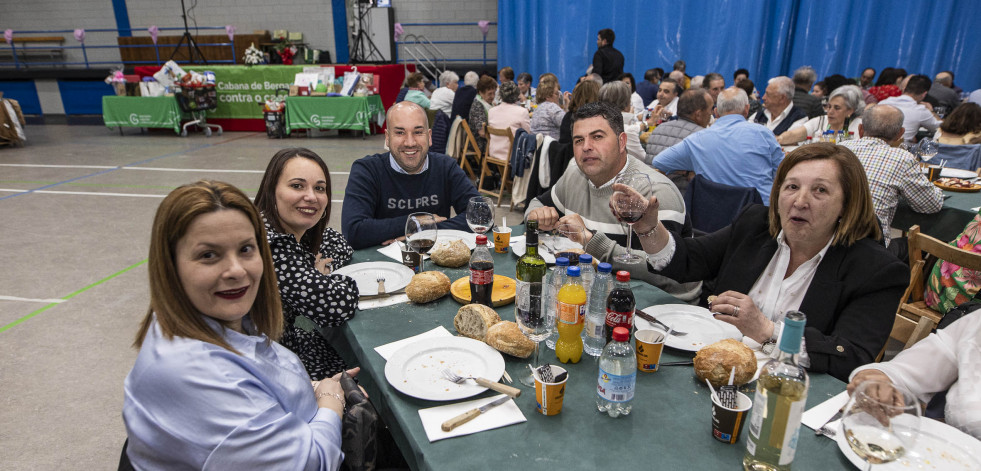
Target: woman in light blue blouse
(210, 388)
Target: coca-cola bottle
(620, 305)
(481, 273)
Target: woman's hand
(323, 264)
(868, 375)
(889, 401)
(739, 310)
(330, 394)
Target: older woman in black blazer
(815, 249)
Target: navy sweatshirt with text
(378, 199)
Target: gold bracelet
(331, 394)
(650, 233)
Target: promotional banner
(242, 89)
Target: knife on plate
(472, 413)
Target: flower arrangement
(286, 50)
(253, 56)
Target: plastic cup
(502, 239)
(548, 396)
(649, 344)
(726, 422)
(933, 172)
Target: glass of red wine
(630, 207)
(420, 234)
(480, 214)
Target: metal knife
(472, 413)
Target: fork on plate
(501, 388)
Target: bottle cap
(621, 334)
(604, 267)
(793, 330)
(562, 262)
(586, 258)
(572, 271)
(623, 275)
(481, 239)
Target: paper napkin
(820, 414)
(389, 349)
(371, 303)
(497, 417)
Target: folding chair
(503, 165)
(470, 149)
(914, 320)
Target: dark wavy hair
(265, 199)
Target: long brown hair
(265, 199)
(858, 219)
(175, 313)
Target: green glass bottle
(528, 312)
(781, 393)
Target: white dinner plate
(703, 329)
(366, 275)
(416, 369)
(559, 243)
(445, 236)
(956, 173)
(939, 447)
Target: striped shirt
(893, 172)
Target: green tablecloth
(944, 225)
(141, 112)
(669, 428)
(354, 112)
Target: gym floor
(76, 206)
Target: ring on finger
(735, 312)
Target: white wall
(450, 11)
(65, 15)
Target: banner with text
(242, 89)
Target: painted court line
(150, 169)
(30, 300)
(57, 166)
(96, 193)
(69, 296)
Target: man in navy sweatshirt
(383, 189)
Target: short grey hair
(448, 76)
(471, 78)
(853, 97)
(882, 121)
(509, 92)
(732, 100)
(785, 86)
(616, 93)
(805, 76)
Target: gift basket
(274, 114)
(195, 93)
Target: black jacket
(850, 305)
(608, 63)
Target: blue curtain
(768, 38)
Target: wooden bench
(34, 52)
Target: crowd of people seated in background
(820, 243)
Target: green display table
(357, 113)
(669, 428)
(141, 112)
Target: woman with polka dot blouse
(294, 198)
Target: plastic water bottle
(594, 334)
(586, 271)
(554, 282)
(617, 375)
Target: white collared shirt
(608, 183)
(773, 122)
(398, 168)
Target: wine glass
(928, 149)
(572, 237)
(630, 207)
(420, 234)
(881, 422)
(480, 214)
(532, 320)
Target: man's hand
(399, 239)
(546, 216)
(576, 220)
(439, 219)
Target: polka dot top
(326, 300)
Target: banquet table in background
(141, 112)
(946, 224)
(357, 113)
(669, 428)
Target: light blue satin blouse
(192, 404)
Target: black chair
(713, 206)
(124, 464)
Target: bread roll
(506, 337)
(453, 254)
(473, 320)
(427, 286)
(714, 362)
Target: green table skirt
(355, 113)
(141, 112)
(946, 224)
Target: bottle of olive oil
(781, 393)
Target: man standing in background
(607, 61)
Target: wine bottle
(781, 392)
(529, 272)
